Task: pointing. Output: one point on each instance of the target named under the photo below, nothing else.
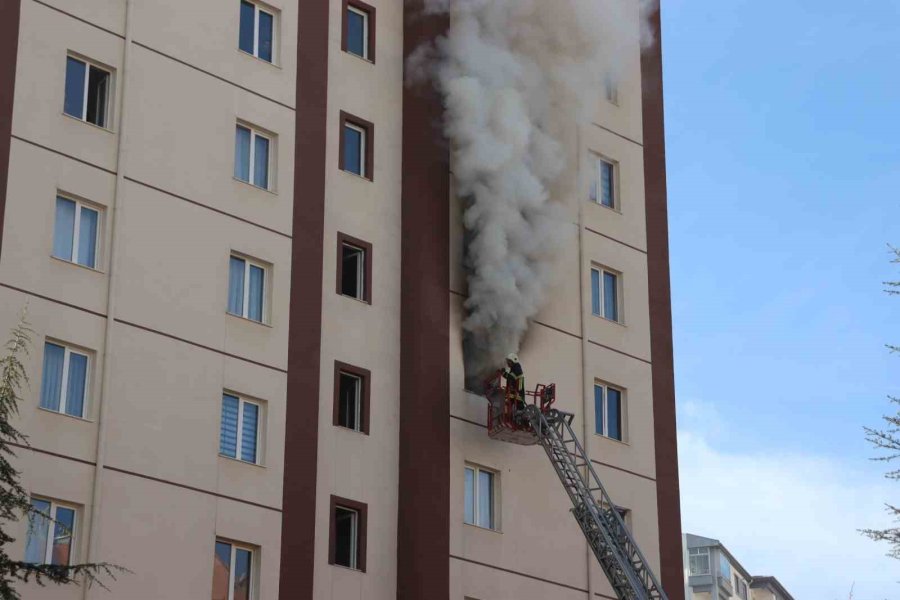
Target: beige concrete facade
(143, 466)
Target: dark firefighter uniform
(515, 378)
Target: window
(611, 89)
(47, 517)
(87, 91)
(740, 587)
(347, 537)
(65, 380)
(239, 434)
(699, 561)
(605, 294)
(351, 400)
(354, 268)
(257, 31)
(603, 188)
(233, 577)
(356, 141)
(608, 411)
(251, 156)
(359, 29)
(724, 566)
(247, 289)
(480, 499)
(75, 236)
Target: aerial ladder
(533, 420)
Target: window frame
(739, 586)
(495, 498)
(623, 428)
(597, 183)
(699, 552)
(365, 377)
(367, 145)
(611, 90)
(107, 102)
(54, 506)
(76, 230)
(272, 12)
(260, 416)
(256, 132)
(68, 350)
(602, 270)
(254, 570)
(368, 11)
(346, 240)
(361, 510)
(245, 306)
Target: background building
(713, 573)
(230, 223)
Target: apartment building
(713, 573)
(234, 229)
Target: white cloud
(792, 516)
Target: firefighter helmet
(512, 357)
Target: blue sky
(783, 140)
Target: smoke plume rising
(517, 78)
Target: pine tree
(14, 500)
(887, 440)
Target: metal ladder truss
(603, 526)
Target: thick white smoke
(518, 77)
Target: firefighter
(515, 380)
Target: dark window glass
(353, 150)
(78, 364)
(98, 88)
(598, 408)
(266, 36)
(221, 571)
(64, 229)
(74, 101)
(349, 400)
(352, 274)
(614, 413)
(257, 293)
(595, 291)
(345, 542)
(242, 153)
(87, 237)
(356, 33)
(245, 39)
(261, 162)
(610, 297)
(607, 174)
(242, 571)
(62, 536)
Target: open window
(87, 91)
(354, 268)
(351, 397)
(347, 534)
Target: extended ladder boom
(610, 540)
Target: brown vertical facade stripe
(423, 535)
(298, 524)
(9, 46)
(671, 567)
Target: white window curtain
(236, 286)
(51, 384)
